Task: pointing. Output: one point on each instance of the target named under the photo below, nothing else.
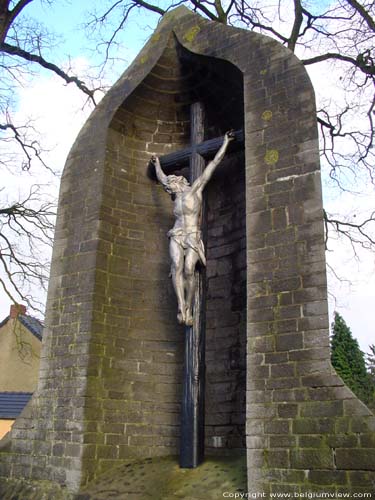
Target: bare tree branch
(364, 64)
(30, 223)
(363, 13)
(149, 6)
(31, 149)
(17, 51)
(356, 233)
(298, 19)
(8, 16)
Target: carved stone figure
(185, 242)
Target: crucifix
(187, 254)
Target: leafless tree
(24, 231)
(370, 365)
(26, 222)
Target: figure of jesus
(186, 247)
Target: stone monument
(111, 369)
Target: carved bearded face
(176, 184)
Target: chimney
(16, 309)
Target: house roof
(32, 324)
(12, 403)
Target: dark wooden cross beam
(206, 149)
(193, 389)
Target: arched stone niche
(155, 119)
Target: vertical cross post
(192, 412)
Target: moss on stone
(271, 157)
(192, 33)
(162, 478)
(21, 489)
(267, 115)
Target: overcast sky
(59, 113)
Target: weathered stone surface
(162, 478)
(111, 366)
(13, 489)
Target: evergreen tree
(370, 362)
(348, 360)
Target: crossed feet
(185, 318)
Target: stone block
(329, 393)
(286, 284)
(289, 342)
(362, 424)
(367, 440)
(294, 394)
(279, 218)
(283, 237)
(355, 459)
(262, 344)
(58, 450)
(257, 442)
(359, 478)
(313, 323)
(311, 367)
(289, 312)
(342, 441)
(255, 427)
(328, 478)
(287, 410)
(317, 308)
(280, 441)
(284, 326)
(276, 357)
(282, 383)
(260, 411)
(320, 458)
(310, 440)
(283, 370)
(256, 372)
(260, 222)
(322, 409)
(313, 425)
(355, 407)
(277, 427)
(277, 458)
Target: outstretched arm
(200, 183)
(162, 178)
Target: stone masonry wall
(305, 430)
(226, 309)
(139, 382)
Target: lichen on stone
(267, 115)
(192, 33)
(271, 157)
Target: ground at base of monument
(22, 489)
(161, 478)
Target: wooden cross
(193, 389)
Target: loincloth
(190, 238)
